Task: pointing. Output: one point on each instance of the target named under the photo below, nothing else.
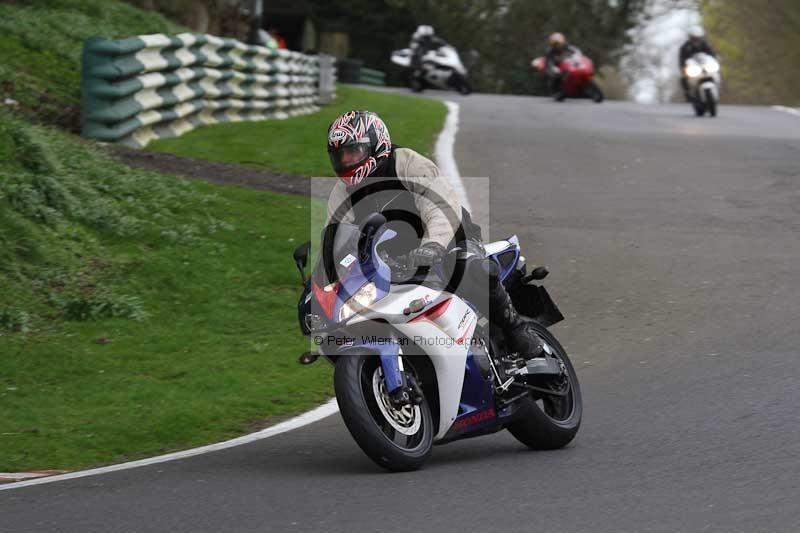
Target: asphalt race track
(674, 247)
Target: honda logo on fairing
(475, 418)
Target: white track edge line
(445, 156)
(790, 110)
(309, 417)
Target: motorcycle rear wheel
(551, 423)
(399, 441)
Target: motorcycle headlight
(712, 68)
(363, 298)
(694, 70)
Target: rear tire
(711, 102)
(368, 423)
(539, 430)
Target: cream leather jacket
(433, 196)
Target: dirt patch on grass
(214, 172)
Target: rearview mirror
(301, 258)
(301, 254)
(368, 231)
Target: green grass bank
(139, 313)
(142, 313)
(297, 146)
(41, 43)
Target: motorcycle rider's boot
(522, 339)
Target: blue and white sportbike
(415, 365)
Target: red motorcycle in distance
(577, 72)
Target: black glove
(428, 254)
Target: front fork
(402, 388)
(391, 361)
(392, 364)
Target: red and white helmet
(358, 142)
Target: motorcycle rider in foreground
(696, 44)
(360, 149)
(557, 51)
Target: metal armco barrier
(149, 87)
(370, 76)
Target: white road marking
(447, 164)
(19, 476)
(445, 156)
(791, 110)
(304, 419)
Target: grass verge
(297, 146)
(41, 43)
(142, 313)
(139, 313)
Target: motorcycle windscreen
(338, 255)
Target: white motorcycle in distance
(702, 73)
(441, 69)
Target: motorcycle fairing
(506, 254)
(358, 273)
(455, 328)
(476, 410)
(577, 72)
(709, 75)
(448, 358)
(389, 351)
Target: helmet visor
(348, 157)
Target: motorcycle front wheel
(699, 106)
(415, 83)
(711, 103)
(461, 84)
(594, 92)
(399, 440)
(551, 422)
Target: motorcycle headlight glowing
(694, 71)
(712, 68)
(363, 298)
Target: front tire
(594, 92)
(554, 423)
(711, 102)
(416, 83)
(398, 441)
(461, 84)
